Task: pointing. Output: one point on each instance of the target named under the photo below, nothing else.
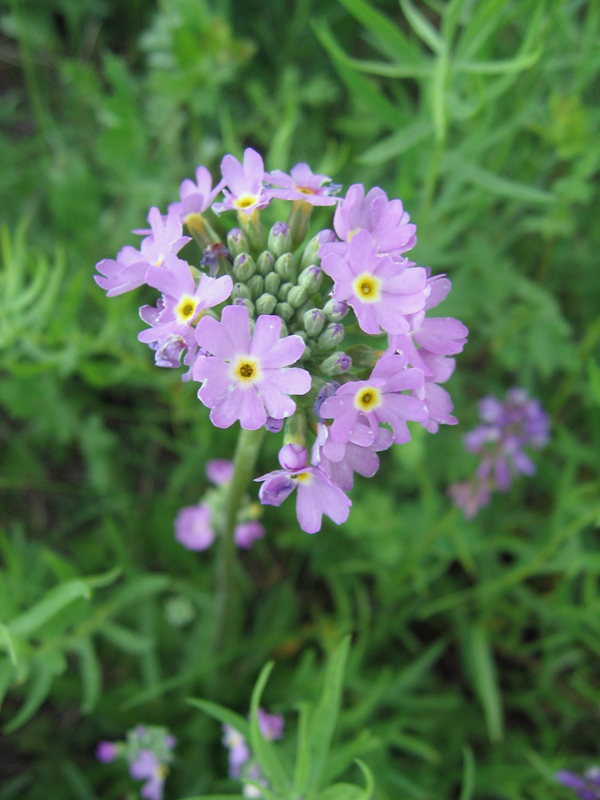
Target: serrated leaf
(56, 599)
(222, 714)
(264, 751)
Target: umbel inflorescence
(326, 336)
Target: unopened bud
(284, 328)
(297, 296)
(363, 355)
(295, 429)
(306, 354)
(313, 321)
(244, 267)
(311, 278)
(285, 267)
(283, 291)
(311, 251)
(265, 262)
(266, 304)
(336, 364)
(241, 290)
(256, 285)
(280, 239)
(293, 456)
(237, 242)
(273, 425)
(335, 310)
(326, 391)
(285, 311)
(331, 336)
(254, 229)
(243, 301)
(272, 283)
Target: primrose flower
(302, 184)
(197, 197)
(248, 378)
(586, 787)
(245, 191)
(192, 527)
(382, 292)
(271, 725)
(146, 766)
(506, 428)
(239, 752)
(341, 460)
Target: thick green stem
(227, 611)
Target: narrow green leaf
(468, 781)
(39, 689)
(326, 714)
(139, 588)
(496, 184)
(6, 677)
(341, 791)
(342, 756)
(222, 714)
(104, 578)
(302, 767)
(485, 680)
(517, 64)
(438, 96)
(266, 755)
(216, 797)
(422, 27)
(412, 675)
(396, 43)
(487, 16)
(8, 643)
(56, 599)
(91, 673)
(394, 145)
(594, 379)
(125, 639)
(450, 19)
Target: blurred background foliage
(473, 671)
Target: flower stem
(227, 601)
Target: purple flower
(239, 752)
(147, 766)
(317, 494)
(301, 184)
(244, 182)
(586, 787)
(382, 292)
(342, 459)
(377, 400)
(386, 221)
(106, 751)
(197, 197)
(192, 527)
(246, 533)
(219, 471)
(182, 300)
(271, 725)
(248, 379)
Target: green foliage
(473, 666)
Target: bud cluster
(264, 315)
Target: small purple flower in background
(148, 751)
(271, 725)
(246, 533)
(219, 471)
(587, 787)
(507, 427)
(241, 763)
(239, 752)
(192, 527)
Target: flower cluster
(195, 525)
(587, 787)
(260, 321)
(148, 751)
(242, 765)
(506, 428)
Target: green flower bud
(311, 278)
(285, 311)
(284, 328)
(237, 242)
(243, 301)
(311, 251)
(241, 290)
(272, 283)
(244, 267)
(294, 431)
(265, 262)
(283, 291)
(306, 354)
(256, 285)
(313, 321)
(297, 296)
(364, 356)
(336, 364)
(285, 267)
(335, 310)
(266, 304)
(280, 239)
(254, 229)
(331, 336)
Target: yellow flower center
(246, 370)
(367, 288)
(303, 477)
(245, 201)
(186, 308)
(368, 399)
(306, 190)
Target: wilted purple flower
(506, 429)
(301, 184)
(382, 292)
(246, 533)
(197, 197)
(317, 494)
(248, 378)
(192, 527)
(245, 191)
(106, 751)
(586, 787)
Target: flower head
(196, 197)
(245, 192)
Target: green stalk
(227, 611)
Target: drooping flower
(192, 527)
(302, 184)
(317, 494)
(248, 378)
(382, 292)
(379, 399)
(245, 191)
